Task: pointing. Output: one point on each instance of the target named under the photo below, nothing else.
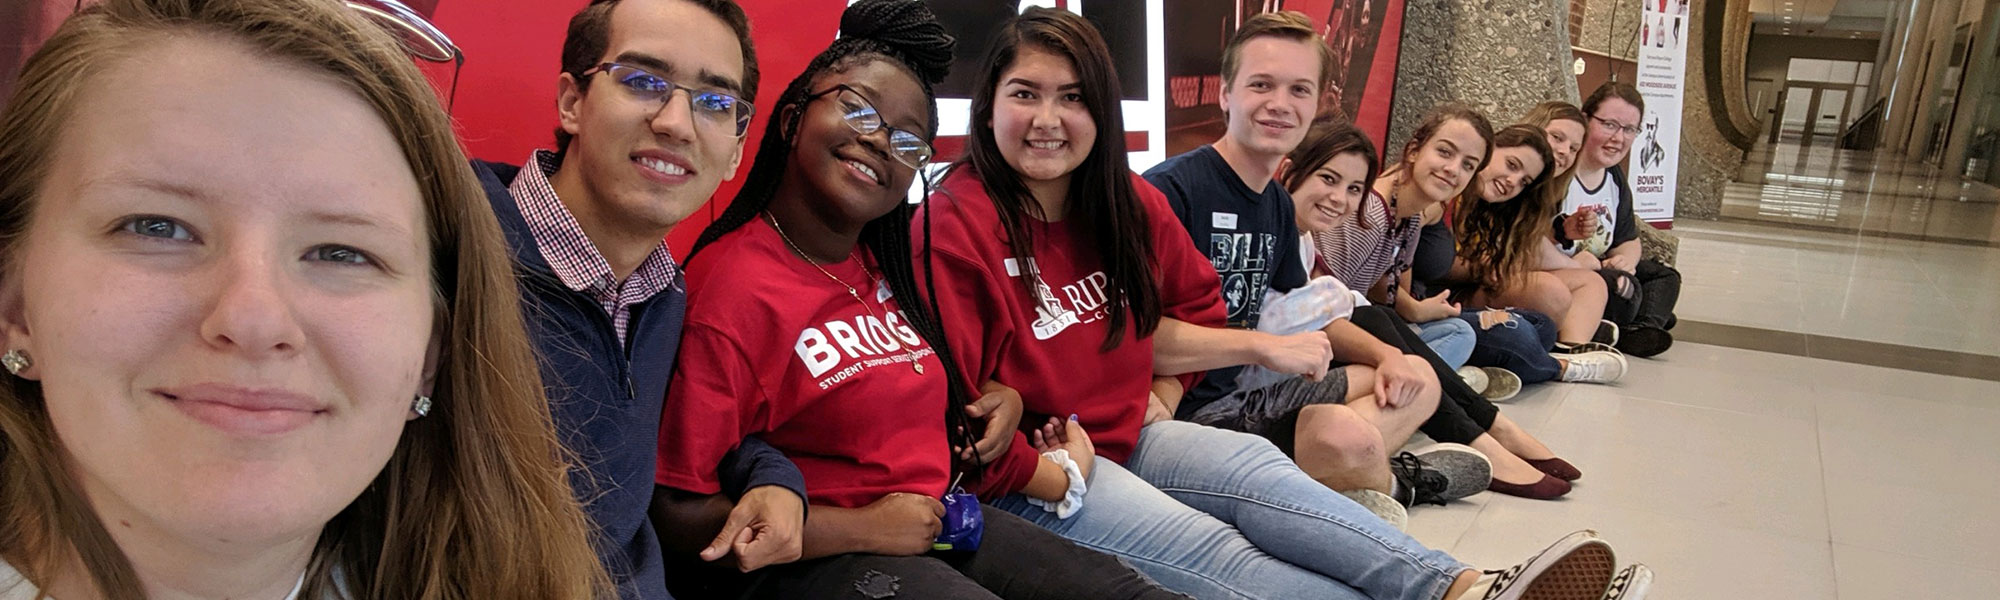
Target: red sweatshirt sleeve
(1189, 288)
(713, 403)
(972, 307)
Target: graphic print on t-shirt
(839, 349)
(1243, 262)
(1085, 300)
(1604, 201)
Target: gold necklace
(856, 294)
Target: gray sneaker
(1475, 378)
(1441, 473)
(1501, 384)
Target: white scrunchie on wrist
(1073, 499)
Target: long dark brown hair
(475, 500)
(1102, 201)
(1328, 139)
(1500, 241)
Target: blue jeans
(1520, 345)
(1451, 339)
(1222, 514)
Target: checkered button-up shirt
(575, 259)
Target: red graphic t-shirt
(773, 347)
(1051, 349)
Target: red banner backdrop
(1365, 35)
(505, 105)
(507, 91)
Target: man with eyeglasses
(653, 102)
(1598, 228)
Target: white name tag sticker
(1222, 220)
(1014, 266)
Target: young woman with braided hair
(806, 326)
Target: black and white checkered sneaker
(1632, 583)
(1579, 566)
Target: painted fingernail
(1072, 417)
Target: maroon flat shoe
(1549, 488)
(1557, 468)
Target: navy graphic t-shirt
(1249, 236)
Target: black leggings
(1017, 560)
(1645, 298)
(1462, 414)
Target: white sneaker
(1383, 506)
(1633, 583)
(1475, 378)
(1580, 566)
(1592, 367)
(1501, 384)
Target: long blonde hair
(1549, 112)
(475, 501)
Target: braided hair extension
(1101, 199)
(1499, 240)
(904, 33)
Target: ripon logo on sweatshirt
(1085, 301)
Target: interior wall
(1936, 56)
(1771, 55)
(1979, 68)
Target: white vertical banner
(1656, 153)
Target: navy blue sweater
(606, 400)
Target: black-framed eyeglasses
(713, 110)
(908, 148)
(1630, 131)
(417, 35)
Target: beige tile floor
(1826, 187)
(1906, 292)
(1746, 475)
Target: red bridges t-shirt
(775, 348)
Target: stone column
(1908, 46)
(1501, 56)
(1709, 159)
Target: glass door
(1795, 117)
(1830, 110)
